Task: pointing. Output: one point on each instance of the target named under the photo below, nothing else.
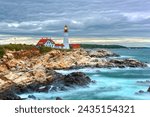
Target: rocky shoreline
(22, 72)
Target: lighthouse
(66, 40)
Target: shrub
(14, 47)
(44, 49)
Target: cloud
(129, 42)
(96, 18)
(137, 16)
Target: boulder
(58, 98)
(126, 63)
(58, 82)
(76, 78)
(37, 83)
(147, 82)
(65, 82)
(141, 91)
(3, 68)
(8, 95)
(9, 55)
(32, 97)
(134, 63)
(102, 53)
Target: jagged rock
(3, 68)
(147, 82)
(32, 97)
(134, 63)
(127, 63)
(26, 53)
(58, 98)
(141, 91)
(58, 83)
(102, 53)
(53, 89)
(25, 71)
(8, 95)
(148, 89)
(76, 78)
(8, 55)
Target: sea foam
(97, 70)
(148, 64)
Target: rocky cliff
(26, 71)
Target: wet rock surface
(148, 90)
(58, 98)
(32, 97)
(9, 95)
(66, 82)
(76, 78)
(55, 82)
(147, 82)
(143, 92)
(35, 73)
(127, 63)
(102, 53)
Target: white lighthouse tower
(66, 40)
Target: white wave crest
(98, 70)
(85, 70)
(148, 64)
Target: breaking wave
(97, 70)
(148, 64)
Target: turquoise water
(140, 54)
(111, 84)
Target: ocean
(111, 84)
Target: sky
(85, 18)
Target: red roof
(42, 41)
(75, 45)
(59, 44)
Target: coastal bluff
(30, 71)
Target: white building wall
(66, 41)
(49, 44)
